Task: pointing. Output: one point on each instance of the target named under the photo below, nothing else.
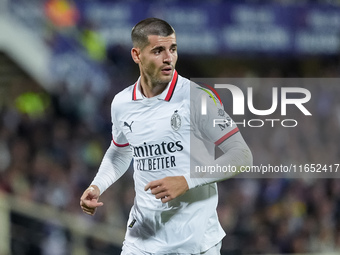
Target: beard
(156, 78)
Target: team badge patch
(221, 112)
(176, 121)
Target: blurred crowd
(51, 158)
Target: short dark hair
(149, 26)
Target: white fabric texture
(114, 164)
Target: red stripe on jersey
(120, 145)
(134, 95)
(172, 86)
(226, 136)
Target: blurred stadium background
(61, 63)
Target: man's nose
(168, 57)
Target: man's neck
(150, 89)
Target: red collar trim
(134, 95)
(171, 88)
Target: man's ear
(135, 54)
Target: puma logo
(127, 125)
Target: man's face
(157, 60)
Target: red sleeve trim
(226, 136)
(120, 145)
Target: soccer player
(156, 122)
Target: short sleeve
(118, 137)
(212, 121)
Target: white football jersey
(159, 131)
